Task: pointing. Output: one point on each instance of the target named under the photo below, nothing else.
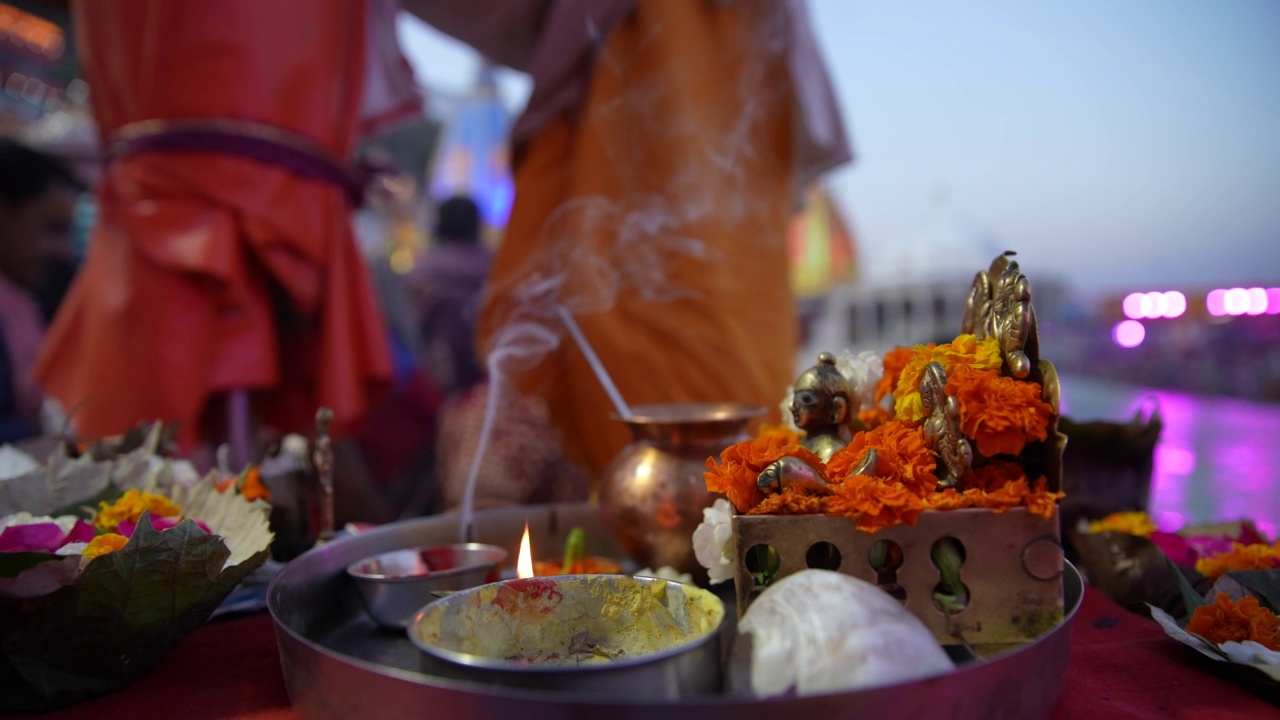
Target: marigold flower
(964, 351)
(901, 455)
(789, 502)
(995, 474)
(875, 503)
(874, 417)
(741, 464)
(130, 507)
(1129, 523)
(253, 487)
(103, 544)
(1001, 414)
(1257, 556)
(894, 363)
(1227, 621)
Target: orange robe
(209, 272)
(658, 215)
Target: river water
(1218, 458)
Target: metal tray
(339, 664)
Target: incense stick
(596, 366)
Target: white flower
(863, 371)
(184, 473)
(64, 523)
(71, 549)
(713, 541)
(788, 419)
(666, 572)
(1250, 653)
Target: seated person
(37, 194)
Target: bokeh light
(1128, 333)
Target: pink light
(1175, 304)
(1133, 308)
(1216, 302)
(1156, 305)
(1257, 301)
(1128, 333)
(1236, 301)
(1273, 301)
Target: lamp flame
(524, 564)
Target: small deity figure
(822, 406)
(942, 429)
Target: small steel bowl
(601, 634)
(395, 585)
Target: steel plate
(338, 663)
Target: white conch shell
(818, 631)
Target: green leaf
(1190, 598)
(119, 618)
(1263, 584)
(12, 563)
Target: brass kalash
(1009, 563)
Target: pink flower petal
(127, 528)
(1175, 547)
(82, 532)
(28, 538)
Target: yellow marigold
(1129, 523)
(965, 350)
(1227, 621)
(103, 544)
(1240, 557)
(1001, 414)
(130, 507)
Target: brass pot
(652, 494)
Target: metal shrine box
(1012, 567)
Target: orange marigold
(1227, 621)
(964, 351)
(875, 503)
(895, 361)
(1240, 557)
(103, 544)
(901, 455)
(995, 475)
(1001, 414)
(740, 464)
(874, 417)
(253, 487)
(789, 502)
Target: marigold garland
(1001, 414)
(1228, 621)
(965, 350)
(740, 464)
(1240, 557)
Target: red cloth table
(1122, 668)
